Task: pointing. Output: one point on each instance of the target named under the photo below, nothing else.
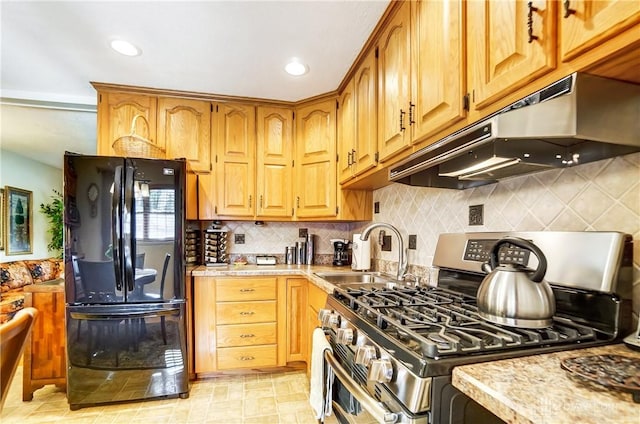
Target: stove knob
(344, 336)
(365, 354)
(330, 320)
(381, 370)
(322, 313)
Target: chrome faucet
(402, 254)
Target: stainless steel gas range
(395, 345)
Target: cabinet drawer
(246, 335)
(245, 312)
(317, 297)
(241, 289)
(247, 357)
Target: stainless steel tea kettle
(513, 295)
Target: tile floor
(254, 398)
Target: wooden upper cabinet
(115, 116)
(586, 23)
(366, 141)
(274, 179)
(346, 132)
(437, 60)
(184, 129)
(393, 82)
(235, 143)
(315, 165)
(502, 55)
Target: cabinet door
(586, 23)
(184, 129)
(296, 319)
(438, 80)
(235, 138)
(115, 116)
(207, 199)
(346, 132)
(204, 324)
(192, 196)
(366, 141)
(393, 82)
(315, 168)
(274, 162)
(501, 55)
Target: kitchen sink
(351, 279)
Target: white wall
(21, 172)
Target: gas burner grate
(437, 322)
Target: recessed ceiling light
(296, 68)
(125, 48)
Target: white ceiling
(52, 50)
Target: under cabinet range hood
(579, 119)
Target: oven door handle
(372, 406)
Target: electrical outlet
(302, 232)
(386, 243)
(476, 215)
(238, 238)
(413, 241)
(376, 207)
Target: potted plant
(53, 211)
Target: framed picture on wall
(18, 216)
(1, 219)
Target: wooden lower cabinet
(239, 322)
(296, 319)
(317, 298)
(45, 358)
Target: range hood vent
(579, 119)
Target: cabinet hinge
(215, 210)
(292, 211)
(293, 163)
(337, 158)
(465, 102)
(376, 53)
(100, 98)
(337, 209)
(293, 116)
(216, 108)
(216, 158)
(376, 157)
(210, 167)
(211, 104)
(337, 105)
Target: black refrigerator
(124, 279)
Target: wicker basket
(136, 146)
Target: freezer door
(125, 353)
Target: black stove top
(435, 322)
(434, 329)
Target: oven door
(351, 403)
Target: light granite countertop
(535, 389)
(307, 271)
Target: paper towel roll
(360, 254)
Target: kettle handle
(539, 273)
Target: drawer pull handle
(247, 290)
(246, 336)
(532, 9)
(247, 358)
(247, 313)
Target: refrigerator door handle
(128, 230)
(116, 226)
(124, 314)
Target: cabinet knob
(247, 290)
(247, 336)
(247, 313)
(247, 358)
